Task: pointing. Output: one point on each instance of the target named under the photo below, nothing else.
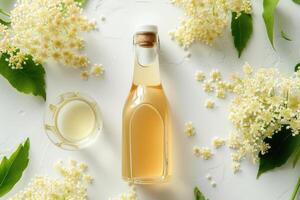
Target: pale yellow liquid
(76, 120)
(146, 129)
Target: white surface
(21, 116)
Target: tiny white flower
(97, 70)
(236, 167)
(189, 129)
(84, 75)
(247, 69)
(209, 104)
(199, 75)
(218, 142)
(208, 86)
(215, 75)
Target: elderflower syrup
(146, 153)
(73, 121)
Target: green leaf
(283, 144)
(198, 195)
(29, 80)
(12, 168)
(6, 23)
(268, 15)
(284, 36)
(241, 30)
(296, 189)
(296, 157)
(296, 1)
(297, 67)
(81, 2)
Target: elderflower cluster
(203, 152)
(218, 142)
(46, 29)
(189, 129)
(236, 167)
(216, 85)
(96, 70)
(131, 195)
(264, 102)
(205, 20)
(14, 57)
(72, 184)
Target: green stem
(295, 192)
(4, 13)
(6, 23)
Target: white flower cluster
(96, 70)
(131, 195)
(214, 84)
(264, 102)
(72, 185)
(189, 129)
(16, 58)
(203, 152)
(217, 85)
(47, 29)
(205, 20)
(218, 142)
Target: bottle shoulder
(151, 95)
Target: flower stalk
(4, 13)
(296, 189)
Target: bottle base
(147, 181)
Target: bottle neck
(146, 66)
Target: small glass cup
(52, 123)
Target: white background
(21, 115)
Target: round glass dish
(73, 121)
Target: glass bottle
(146, 151)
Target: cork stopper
(145, 39)
(146, 35)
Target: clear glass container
(147, 134)
(73, 121)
